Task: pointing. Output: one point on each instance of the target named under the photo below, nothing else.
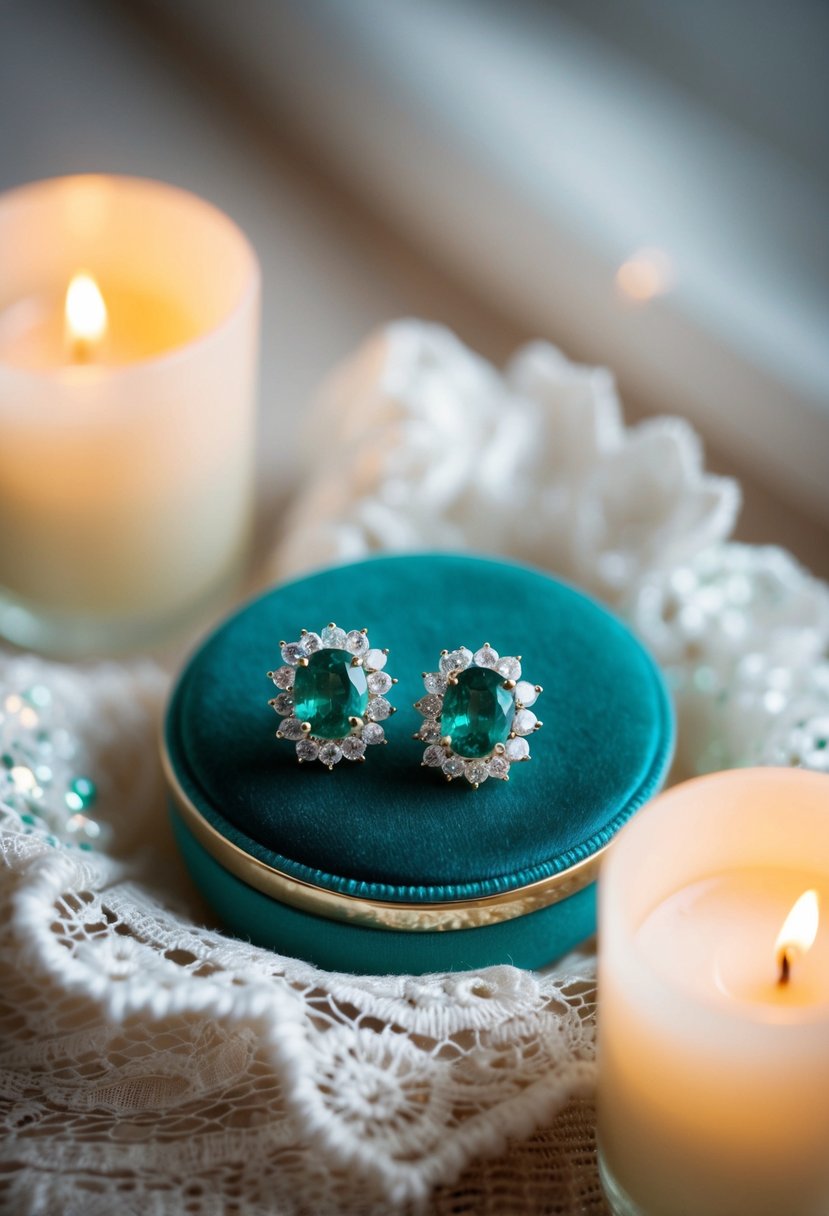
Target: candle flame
(798, 933)
(86, 313)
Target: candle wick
(81, 350)
(785, 968)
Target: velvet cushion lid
(388, 829)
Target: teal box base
(387, 849)
(529, 941)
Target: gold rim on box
(375, 913)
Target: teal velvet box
(384, 867)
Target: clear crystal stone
(517, 749)
(356, 643)
(311, 643)
(379, 682)
(284, 703)
(455, 660)
(373, 733)
(307, 749)
(524, 722)
(525, 693)
(292, 652)
(453, 766)
(430, 706)
(353, 748)
(486, 657)
(333, 637)
(330, 753)
(509, 668)
(291, 728)
(375, 660)
(429, 731)
(499, 767)
(435, 681)
(284, 677)
(434, 757)
(378, 709)
(477, 772)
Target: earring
(332, 697)
(477, 715)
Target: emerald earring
(332, 695)
(477, 715)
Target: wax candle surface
(714, 1078)
(140, 324)
(127, 456)
(717, 939)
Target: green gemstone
(477, 712)
(328, 692)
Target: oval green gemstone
(328, 692)
(477, 712)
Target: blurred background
(645, 184)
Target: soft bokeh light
(648, 273)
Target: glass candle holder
(713, 1021)
(129, 318)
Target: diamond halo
(502, 673)
(364, 730)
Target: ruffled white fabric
(152, 1066)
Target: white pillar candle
(126, 408)
(714, 1074)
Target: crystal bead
(378, 709)
(524, 722)
(292, 652)
(510, 668)
(517, 749)
(356, 643)
(454, 766)
(311, 643)
(379, 682)
(330, 754)
(284, 677)
(499, 767)
(435, 682)
(375, 660)
(429, 731)
(373, 733)
(477, 772)
(430, 706)
(525, 693)
(434, 757)
(284, 704)
(333, 637)
(307, 749)
(486, 657)
(455, 660)
(291, 728)
(353, 748)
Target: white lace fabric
(151, 1065)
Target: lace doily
(151, 1066)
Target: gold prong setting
(364, 731)
(515, 749)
